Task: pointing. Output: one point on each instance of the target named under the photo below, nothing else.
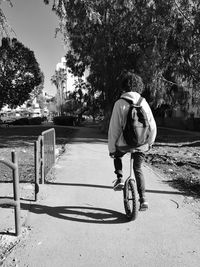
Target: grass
(21, 139)
(173, 136)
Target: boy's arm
(153, 128)
(152, 123)
(115, 128)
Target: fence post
(16, 192)
(54, 145)
(48, 151)
(45, 156)
(42, 158)
(37, 168)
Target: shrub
(196, 124)
(65, 120)
(27, 121)
(22, 121)
(35, 121)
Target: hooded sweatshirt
(118, 120)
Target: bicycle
(130, 194)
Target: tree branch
(183, 13)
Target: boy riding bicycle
(132, 87)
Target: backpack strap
(131, 102)
(139, 101)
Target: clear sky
(34, 24)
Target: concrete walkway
(79, 220)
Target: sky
(34, 24)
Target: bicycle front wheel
(130, 200)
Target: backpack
(136, 130)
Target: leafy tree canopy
(83, 100)
(158, 39)
(20, 73)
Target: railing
(38, 163)
(44, 156)
(16, 197)
(44, 161)
(48, 151)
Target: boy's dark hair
(131, 82)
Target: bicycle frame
(132, 176)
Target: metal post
(42, 158)
(36, 152)
(16, 193)
(47, 151)
(54, 145)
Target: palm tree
(59, 80)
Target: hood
(134, 96)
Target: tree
(178, 66)
(59, 80)
(75, 102)
(19, 73)
(51, 105)
(37, 91)
(41, 100)
(158, 39)
(83, 100)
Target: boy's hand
(150, 146)
(112, 155)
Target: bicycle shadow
(83, 214)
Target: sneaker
(143, 204)
(119, 184)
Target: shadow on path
(88, 135)
(165, 192)
(111, 187)
(82, 214)
(81, 185)
(9, 234)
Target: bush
(65, 120)
(35, 121)
(27, 121)
(22, 121)
(197, 124)
(44, 118)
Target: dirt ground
(177, 157)
(178, 164)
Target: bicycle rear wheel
(130, 199)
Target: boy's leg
(137, 167)
(118, 163)
(119, 183)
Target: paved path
(79, 220)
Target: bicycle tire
(130, 199)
